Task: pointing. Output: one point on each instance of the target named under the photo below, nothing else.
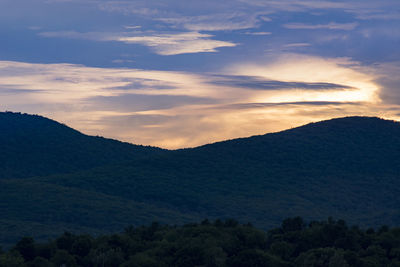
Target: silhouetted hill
(32, 145)
(356, 144)
(346, 168)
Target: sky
(180, 74)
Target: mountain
(346, 168)
(32, 145)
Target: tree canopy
(217, 243)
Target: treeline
(219, 243)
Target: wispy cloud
(135, 27)
(298, 5)
(122, 61)
(300, 103)
(216, 22)
(162, 43)
(258, 33)
(204, 16)
(180, 43)
(329, 26)
(297, 45)
(128, 7)
(377, 15)
(260, 83)
(131, 102)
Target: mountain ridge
(344, 167)
(33, 145)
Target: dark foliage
(221, 243)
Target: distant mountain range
(53, 178)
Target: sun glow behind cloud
(294, 67)
(182, 109)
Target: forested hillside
(32, 145)
(346, 168)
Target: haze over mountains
(53, 178)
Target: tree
(63, 258)
(293, 224)
(255, 258)
(26, 247)
(322, 257)
(12, 259)
(40, 262)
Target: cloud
(5, 91)
(379, 16)
(179, 43)
(216, 22)
(128, 7)
(309, 69)
(329, 26)
(389, 79)
(122, 61)
(165, 44)
(135, 27)
(260, 83)
(298, 5)
(59, 83)
(194, 15)
(302, 103)
(183, 109)
(377, 10)
(297, 45)
(138, 84)
(128, 102)
(258, 33)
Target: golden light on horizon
(181, 109)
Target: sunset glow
(174, 77)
